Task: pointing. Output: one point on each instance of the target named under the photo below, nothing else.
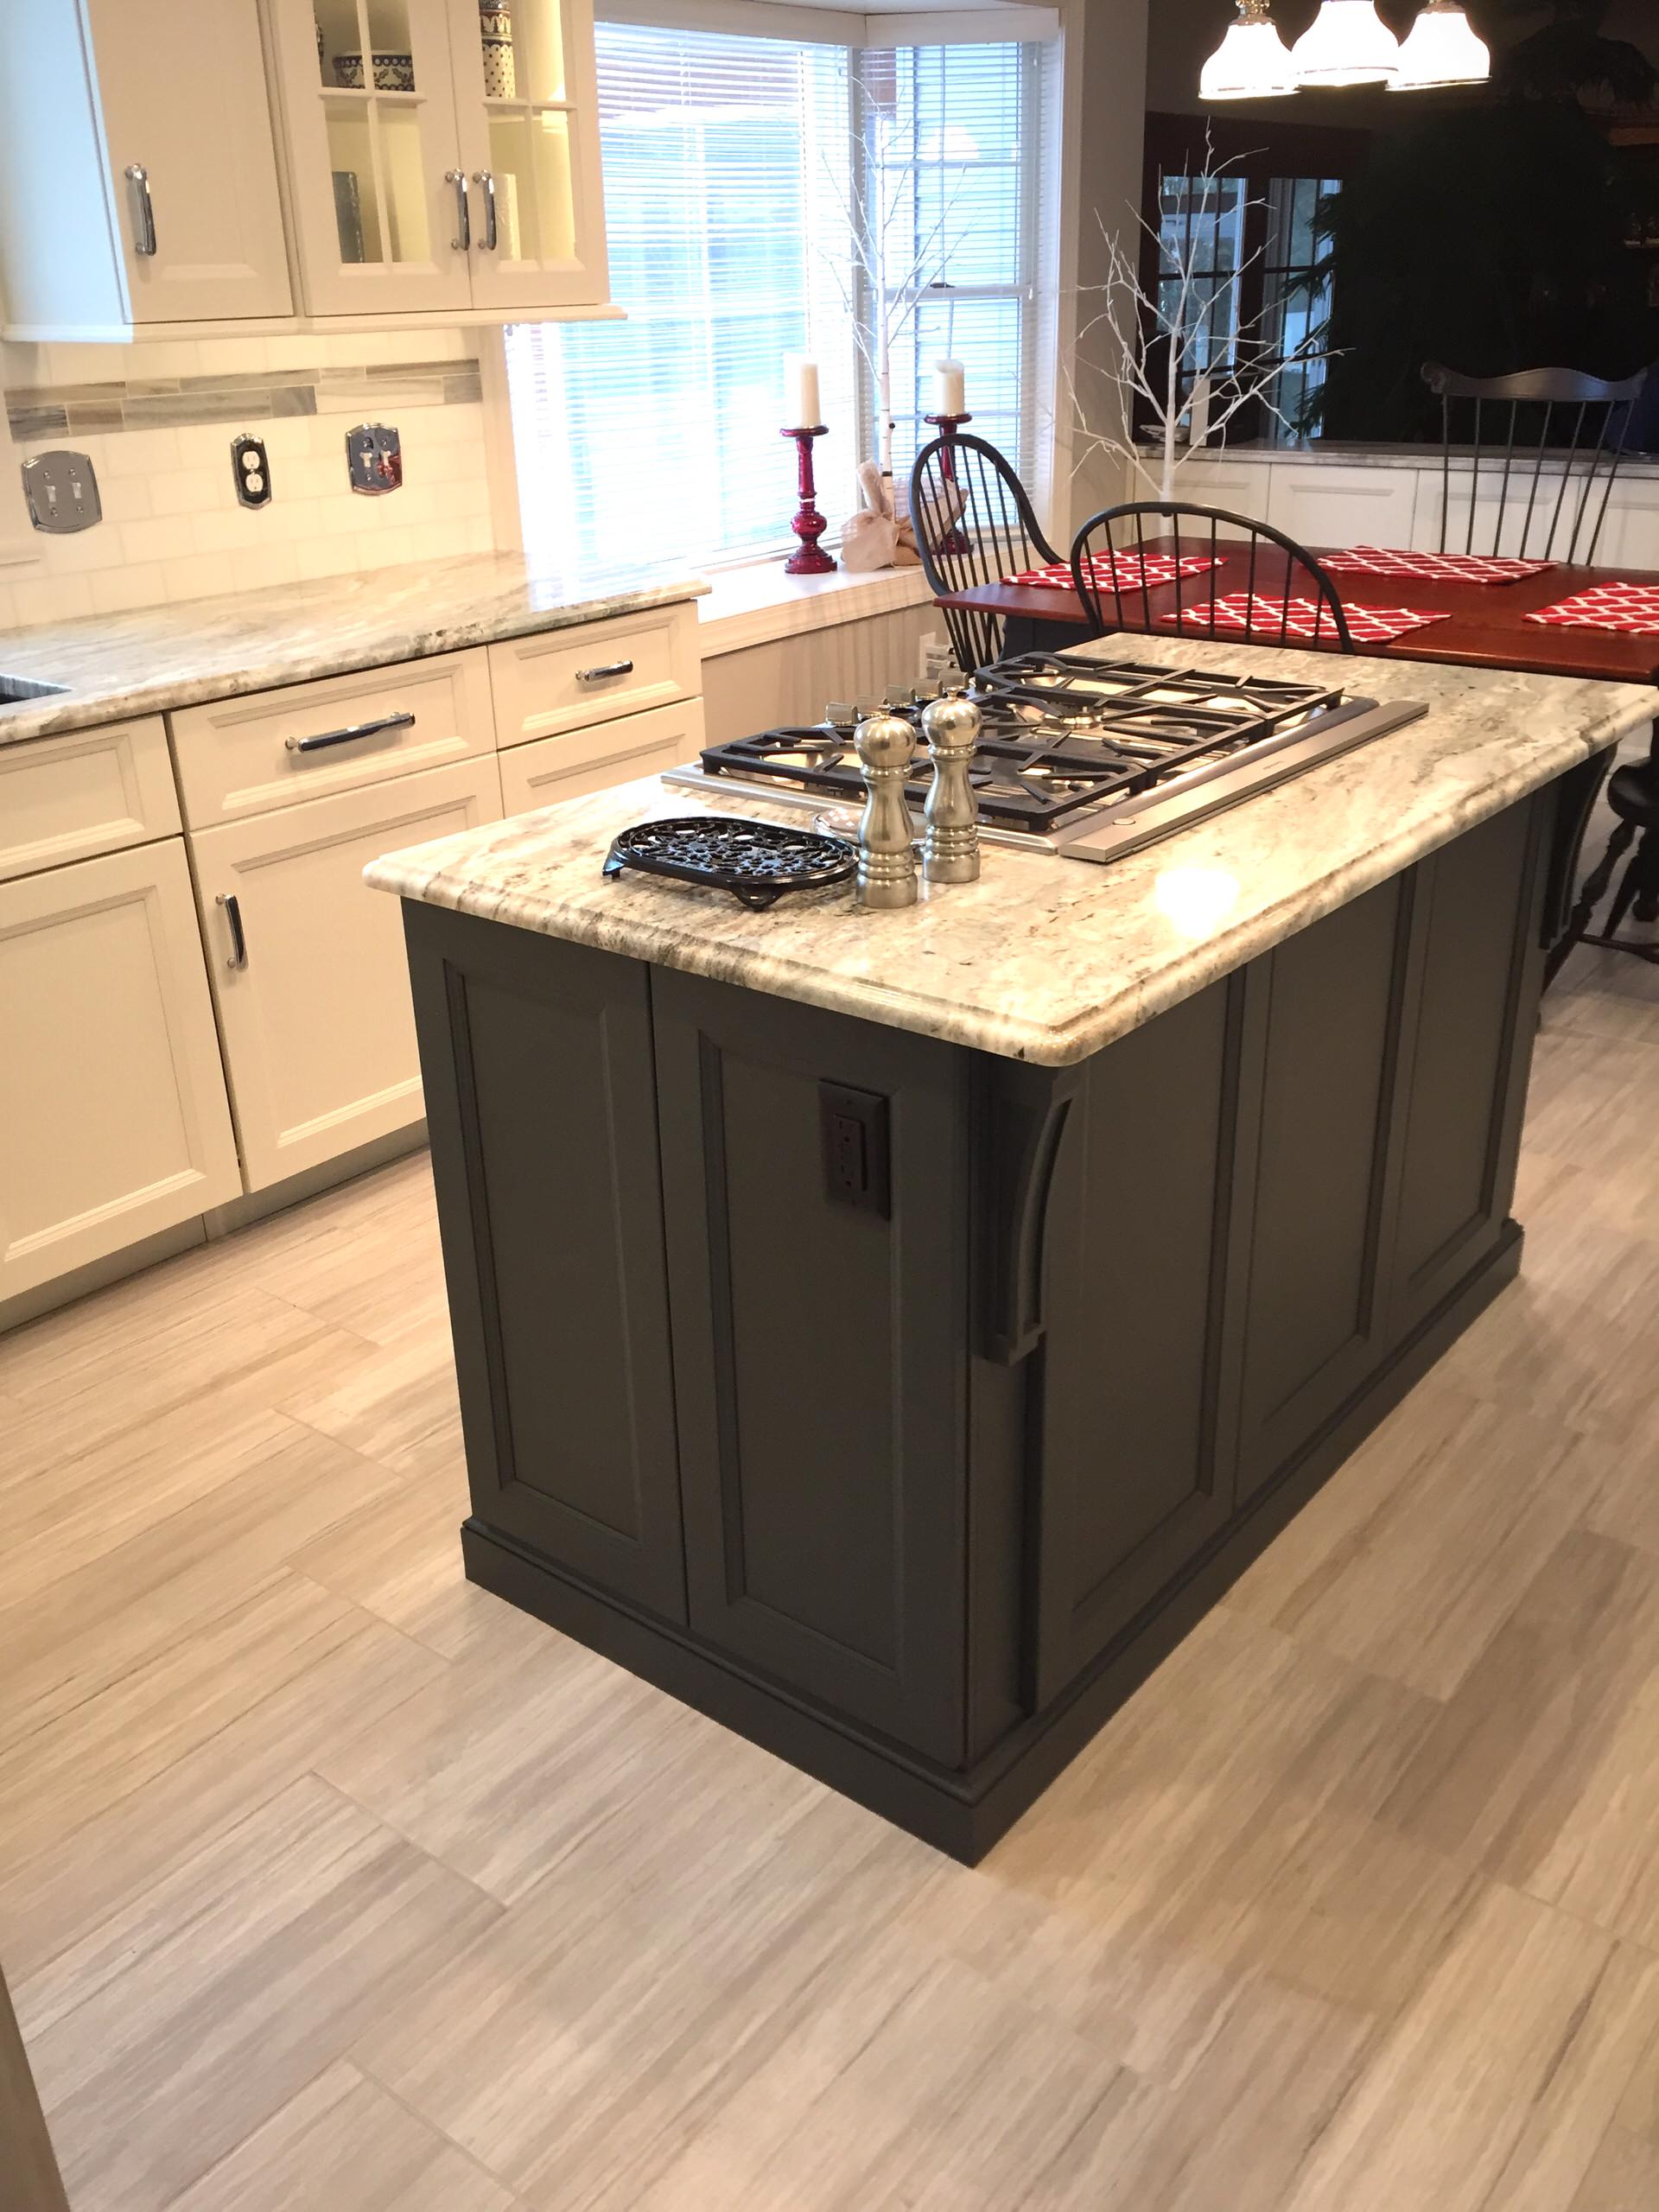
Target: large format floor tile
(328, 1881)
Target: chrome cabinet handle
(610, 668)
(349, 734)
(238, 942)
(463, 238)
(486, 178)
(143, 208)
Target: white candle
(801, 393)
(948, 388)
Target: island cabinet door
(537, 1061)
(820, 1349)
(1319, 1066)
(1135, 1457)
(1466, 1052)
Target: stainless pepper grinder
(950, 846)
(887, 866)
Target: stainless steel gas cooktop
(1089, 758)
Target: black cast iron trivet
(756, 862)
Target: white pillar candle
(801, 393)
(949, 389)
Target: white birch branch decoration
(1148, 344)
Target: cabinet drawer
(95, 791)
(563, 679)
(555, 768)
(239, 757)
(308, 969)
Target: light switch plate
(374, 455)
(61, 491)
(251, 470)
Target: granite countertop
(1046, 959)
(157, 658)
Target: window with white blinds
(761, 195)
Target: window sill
(755, 604)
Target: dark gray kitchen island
(889, 1333)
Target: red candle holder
(947, 426)
(808, 525)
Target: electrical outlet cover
(251, 470)
(374, 456)
(62, 490)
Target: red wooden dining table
(1487, 626)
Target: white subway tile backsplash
(139, 584)
(196, 576)
(190, 490)
(327, 556)
(52, 599)
(173, 528)
(257, 567)
(162, 538)
(141, 453)
(225, 528)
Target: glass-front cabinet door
(381, 199)
(527, 108)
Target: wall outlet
(374, 458)
(853, 1132)
(251, 470)
(62, 491)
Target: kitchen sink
(13, 689)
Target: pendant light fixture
(1252, 62)
(1348, 43)
(1442, 47)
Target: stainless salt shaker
(950, 846)
(887, 866)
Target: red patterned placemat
(1132, 574)
(1272, 621)
(1428, 568)
(1630, 609)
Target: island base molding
(901, 1405)
(964, 1815)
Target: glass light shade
(1442, 47)
(1347, 43)
(1251, 63)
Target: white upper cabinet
(376, 184)
(137, 168)
(441, 155)
(187, 129)
(528, 108)
(433, 160)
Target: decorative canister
(495, 31)
(393, 73)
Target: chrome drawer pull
(348, 736)
(610, 668)
(239, 943)
(143, 208)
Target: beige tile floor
(328, 1884)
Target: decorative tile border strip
(39, 412)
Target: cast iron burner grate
(756, 862)
(1061, 736)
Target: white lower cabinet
(582, 760)
(307, 964)
(113, 1119)
(1328, 505)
